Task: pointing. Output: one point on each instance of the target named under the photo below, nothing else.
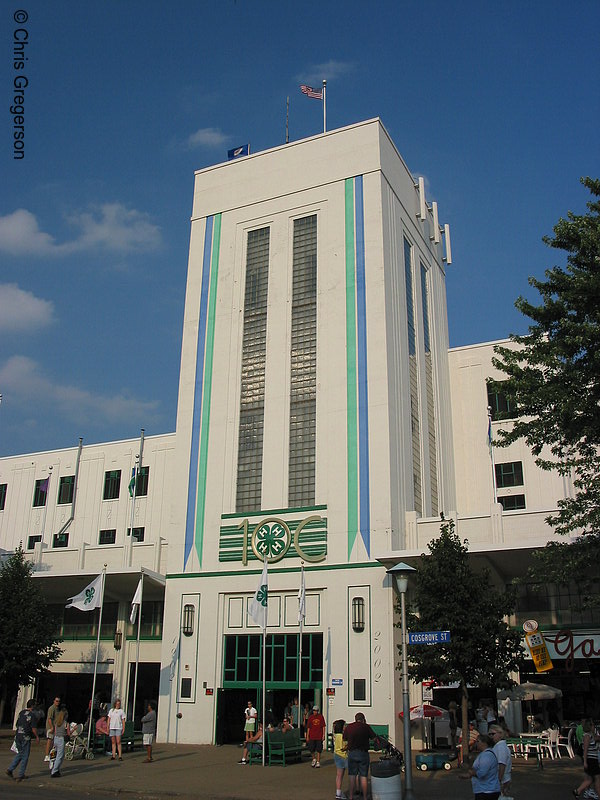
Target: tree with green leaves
(29, 643)
(450, 595)
(553, 379)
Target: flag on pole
(302, 599)
(136, 602)
(489, 433)
(132, 483)
(258, 607)
(316, 94)
(238, 152)
(43, 485)
(90, 598)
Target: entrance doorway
(147, 689)
(74, 690)
(242, 678)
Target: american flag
(317, 94)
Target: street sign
(337, 681)
(429, 637)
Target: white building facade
(322, 424)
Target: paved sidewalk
(190, 772)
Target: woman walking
(60, 731)
(591, 766)
(116, 727)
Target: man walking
(357, 735)
(50, 722)
(315, 734)
(25, 730)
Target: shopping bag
(14, 747)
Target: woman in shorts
(340, 757)
(116, 728)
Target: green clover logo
(89, 596)
(271, 540)
(262, 595)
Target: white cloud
(329, 70)
(207, 137)
(111, 227)
(20, 235)
(23, 381)
(23, 311)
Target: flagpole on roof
(494, 489)
(324, 107)
(46, 502)
(137, 644)
(301, 614)
(287, 125)
(91, 718)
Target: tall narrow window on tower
(252, 391)
(430, 396)
(414, 380)
(303, 365)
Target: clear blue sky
(496, 104)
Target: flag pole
(264, 686)
(495, 491)
(46, 503)
(133, 494)
(91, 720)
(300, 620)
(287, 120)
(137, 647)
(324, 107)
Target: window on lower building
(107, 536)
(3, 487)
(60, 540)
(32, 541)
(138, 534)
(512, 502)
(509, 474)
(360, 689)
(501, 406)
(40, 493)
(186, 688)
(112, 484)
(66, 488)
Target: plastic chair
(566, 742)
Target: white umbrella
(530, 691)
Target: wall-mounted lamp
(187, 620)
(118, 640)
(358, 614)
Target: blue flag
(237, 152)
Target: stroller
(77, 747)
(389, 752)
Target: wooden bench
(284, 747)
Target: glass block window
(512, 502)
(303, 365)
(40, 493)
(112, 484)
(413, 377)
(432, 443)
(3, 488)
(502, 407)
(107, 536)
(252, 390)
(509, 474)
(66, 488)
(138, 534)
(60, 540)
(32, 541)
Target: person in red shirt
(357, 736)
(315, 734)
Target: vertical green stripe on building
(208, 367)
(351, 400)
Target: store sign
(274, 538)
(568, 645)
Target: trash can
(386, 783)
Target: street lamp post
(400, 575)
